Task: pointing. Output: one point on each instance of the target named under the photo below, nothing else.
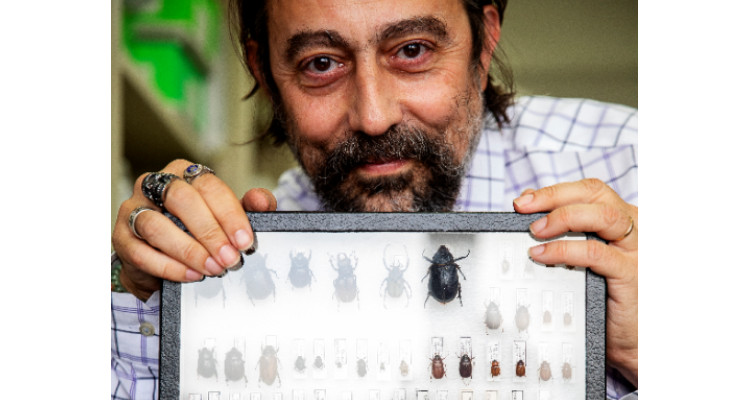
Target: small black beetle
(395, 284)
(234, 365)
(345, 284)
(207, 363)
(465, 366)
(318, 363)
(269, 365)
(300, 273)
(257, 277)
(443, 284)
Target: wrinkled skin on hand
(590, 205)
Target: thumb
(259, 200)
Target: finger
(551, 197)
(605, 260)
(259, 200)
(161, 233)
(607, 221)
(227, 210)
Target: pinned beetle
(520, 368)
(567, 371)
(345, 284)
(523, 318)
(495, 368)
(299, 364)
(492, 317)
(300, 273)
(403, 368)
(443, 272)
(362, 367)
(209, 288)
(269, 365)
(545, 372)
(395, 284)
(257, 277)
(465, 366)
(318, 363)
(437, 367)
(234, 366)
(207, 363)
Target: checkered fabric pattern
(549, 140)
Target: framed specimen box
(370, 306)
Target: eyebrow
(431, 25)
(329, 38)
(306, 39)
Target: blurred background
(178, 83)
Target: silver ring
(195, 171)
(133, 216)
(155, 186)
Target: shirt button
(147, 329)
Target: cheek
(316, 120)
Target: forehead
(358, 19)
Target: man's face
(380, 100)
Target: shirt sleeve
(135, 346)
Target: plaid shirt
(549, 140)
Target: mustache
(398, 143)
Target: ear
(491, 38)
(251, 52)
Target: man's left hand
(590, 205)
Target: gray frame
(596, 289)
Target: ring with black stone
(155, 186)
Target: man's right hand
(210, 211)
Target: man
(389, 106)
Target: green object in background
(177, 40)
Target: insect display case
(387, 306)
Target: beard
(432, 181)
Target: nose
(375, 105)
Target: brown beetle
(520, 368)
(404, 368)
(567, 371)
(269, 366)
(465, 366)
(495, 369)
(437, 367)
(545, 372)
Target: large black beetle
(443, 284)
(257, 277)
(345, 284)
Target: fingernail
(254, 246)
(538, 225)
(243, 239)
(536, 251)
(213, 267)
(194, 276)
(228, 255)
(239, 264)
(523, 200)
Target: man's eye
(411, 50)
(321, 65)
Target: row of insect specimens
(406, 366)
(556, 311)
(374, 394)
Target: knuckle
(214, 234)
(610, 215)
(565, 215)
(595, 251)
(593, 185)
(193, 254)
(177, 165)
(179, 194)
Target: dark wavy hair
(249, 20)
